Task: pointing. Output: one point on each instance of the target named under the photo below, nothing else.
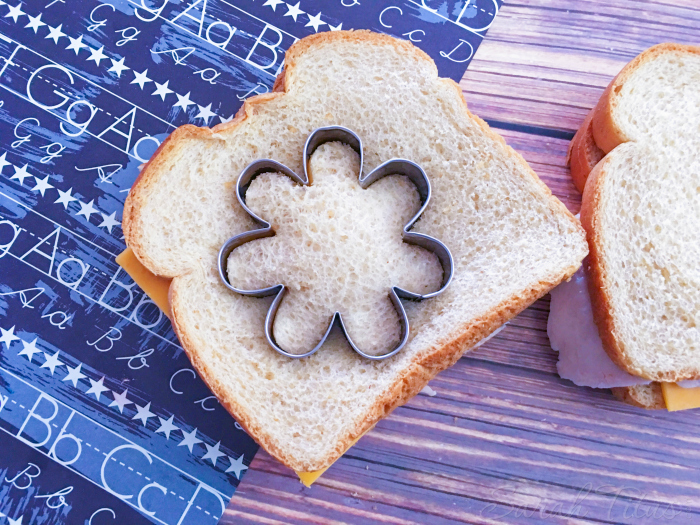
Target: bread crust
(606, 130)
(597, 273)
(583, 153)
(608, 135)
(417, 374)
(649, 396)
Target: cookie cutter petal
(410, 169)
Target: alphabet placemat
(102, 417)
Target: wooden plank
(505, 440)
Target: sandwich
(629, 319)
(511, 242)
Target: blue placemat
(102, 417)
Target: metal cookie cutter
(392, 167)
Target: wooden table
(505, 440)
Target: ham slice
(574, 334)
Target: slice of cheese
(679, 398)
(157, 289)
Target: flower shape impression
(333, 264)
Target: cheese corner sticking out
(154, 286)
(308, 478)
(679, 398)
(157, 289)
(574, 334)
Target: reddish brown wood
(505, 440)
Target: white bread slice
(511, 239)
(641, 211)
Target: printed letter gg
(13, 229)
(63, 97)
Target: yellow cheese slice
(157, 289)
(679, 398)
(308, 478)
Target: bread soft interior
(337, 248)
(644, 213)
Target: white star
(34, 22)
(51, 362)
(224, 120)
(55, 33)
(8, 336)
(17, 521)
(163, 90)
(294, 11)
(183, 101)
(20, 174)
(273, 4)
(336, 28)
(97, 55)
(3, 162)
(141, 78)
(97, 387)
(117, 67)
(15, 12)
(74, 374)
(315, 21)
(143, 413)
(166, 426)
(65, 198)
(213, 452)
(87, 209)
(108, 221)
(205, 113)
(42, 185)
(76, 44)
(29, 349)
(236, 466)
(120, 401)
(190, 439)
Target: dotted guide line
(120, 401)
(18, 521)
(117, 68)
(90, 298)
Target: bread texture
(641, 212)
(337, 248)
(648, 396)
(511, 240)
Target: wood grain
(505, 440)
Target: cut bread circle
(511, 240)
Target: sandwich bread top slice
(641, 211)
(511, 240)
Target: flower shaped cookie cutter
(392, 167)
